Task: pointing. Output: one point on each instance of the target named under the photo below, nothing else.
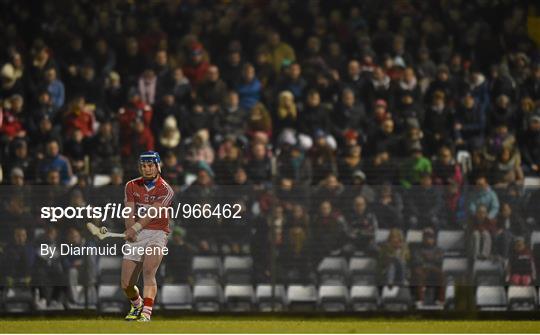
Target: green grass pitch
(255, 324)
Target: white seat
(522, 298)
(491, 298)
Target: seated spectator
(18, 260)
(259, 120)
(79, 115)
(178, 261)
(424, 204)
(249, 89)
(483, 195)
(258, 166)
(470, 121)
(445, 169)
(427, 268)
(438, 123)
(394, 257)
(361, 227)
(328, 228)
(388, 207)
(212, 91)
(414, 167)
(232, 119)
(197, 65)
(521, 265)
(287, 113)
(49, 275)
(54, 161)
(507, 169)
(482, 228)
(295, 256)
(80, 269)
(293, 81)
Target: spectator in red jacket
(79, 116)
(197, 66)
(135, 109)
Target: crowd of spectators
(326, 120)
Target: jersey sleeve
(166, 195)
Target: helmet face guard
(151, 157)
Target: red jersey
(143, 196)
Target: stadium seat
(207, 298)
(363, 271)
(531, 183)
(206, 269)
(452, 242)
(332, 270)
(454, 268)
(522, 298)
(270, 300)
(18, 300)
(109, 270)
(238, 270)
(239, 298)
(491, 298)
(450, 297)
(78, 296)
(414, 236)
(364, 298)
(535, 239)
(396, 298)
(333, 298)
(381, 235)
(488, 272)
(301, 297)
(175, 297)
(111, 299)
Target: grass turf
(231, 324)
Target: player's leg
(149, 269)
(130, 274)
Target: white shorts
(145, 238)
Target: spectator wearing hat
(197, 66)
(427, 268)
(10, 84)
